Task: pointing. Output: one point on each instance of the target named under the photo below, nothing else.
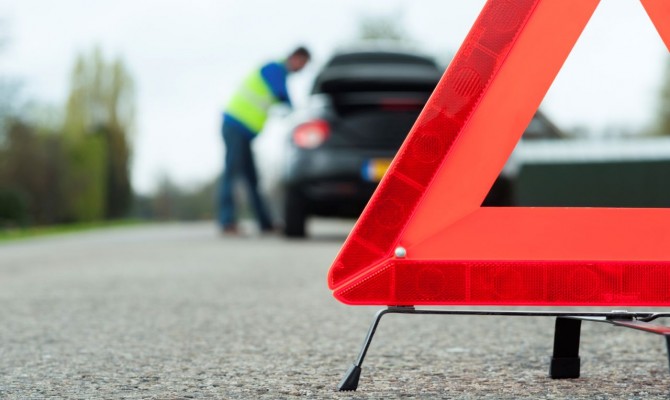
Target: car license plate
(374, 169)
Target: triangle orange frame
(424, 239)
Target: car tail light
(311, 134)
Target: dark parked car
(363, 104)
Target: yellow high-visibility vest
(251, 102)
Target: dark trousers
(239, 163)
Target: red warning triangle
(424, 239)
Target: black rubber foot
(564, 368)
(350, 380)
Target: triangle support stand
(565, 362)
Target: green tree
(98, 126)
(31, 156)
(385, 28)
(8, 87)
(662, 126)
(31, 165)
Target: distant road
(177, 312)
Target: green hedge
(13, 208)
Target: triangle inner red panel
(428, 204)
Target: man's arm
(275, 76)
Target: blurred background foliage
(75, 170)
(662, 124)
(70, 163)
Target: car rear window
(383, 78)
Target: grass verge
(12, 234)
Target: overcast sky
(187, 56)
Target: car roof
(357, 57)
(377, 67)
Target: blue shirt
(275, 75)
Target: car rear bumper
(333, 180)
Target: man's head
(297, 59)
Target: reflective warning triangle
(424, 239)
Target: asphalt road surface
(177, 312)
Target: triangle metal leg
(565, 361)
(353, 374)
